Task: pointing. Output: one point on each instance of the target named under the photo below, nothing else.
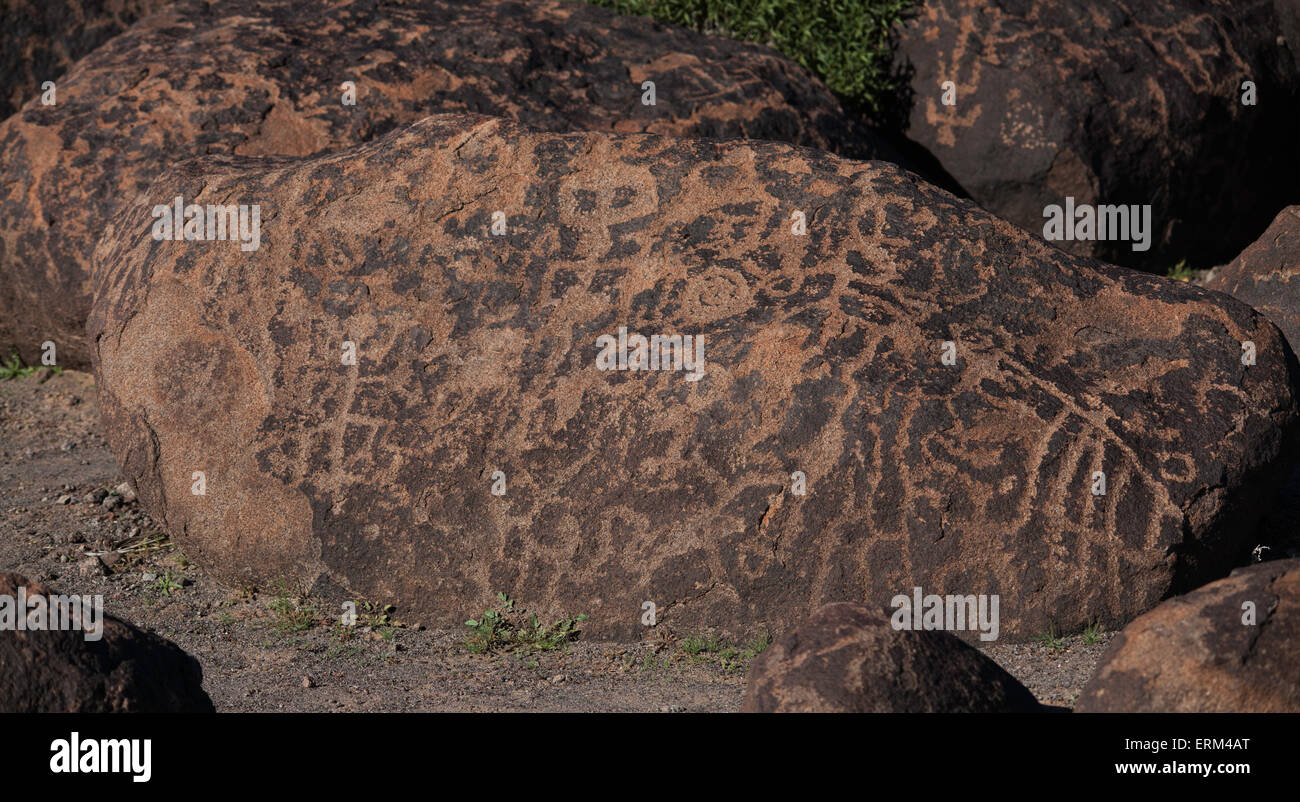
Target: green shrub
(845, 43)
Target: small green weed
(1181, 271)
(1092, 634)
(167, 584)
(13, 367)
(507, 629)
(1051, 640)
(292, 614)
(726, 655)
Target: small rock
(64, 500)
(308, 682)
(126, 492)
(557, 679)
(112, 502)
(127, 670)
(95, 496)
(148, 577)
(672, 709)
(848, 658)
(91, 566)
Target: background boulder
(40, 39)
(1232, 646)
(825, 354)
(1116, 102)
(1267, 274)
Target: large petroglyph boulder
(847, 658)
(41, 39)
(1095, 443)
(1232, 646)
(1267, 274)
(119, 669)
(1115, 102)
(267, 78)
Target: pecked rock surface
(846, 658)
(262, 78)
(40, 39)
(1204, 653)
(1115, 102)
(823, 354)
(1267, 274)
(126, 671)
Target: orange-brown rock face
(267, 78)
(402, 391)
(1267, 274)
(1232, 646)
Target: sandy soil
(262, 650)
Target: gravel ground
(267, 651)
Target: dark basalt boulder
(847, 658)
(1267, 274)
(41, 39)
(1115, 102)
(825, 354)
(1232, 646)
(251, 77)
(60, 671)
